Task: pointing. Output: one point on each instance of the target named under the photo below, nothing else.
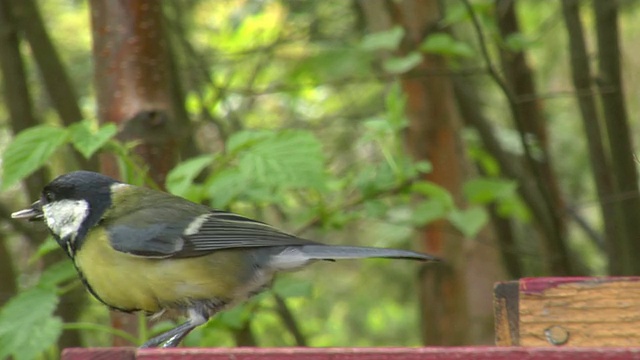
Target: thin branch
(592, 233)
(289, 320)
(356, 202)
(549, 218)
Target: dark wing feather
(160, 232)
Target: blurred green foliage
(296, 128)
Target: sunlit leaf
(27, 324)
(289, 158)
(88, 140)
(192, 104)
(30, 150)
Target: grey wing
(198, 235)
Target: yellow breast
(131, 282)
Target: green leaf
(287, 159)
(435, 192)
(236, 317)
(469, 221)
(485, 160)
(181, 177)
(88, 140)
(290, 287)
(485, 190)
(514, 207)
(373, 180)
(456, 13)
(423, 167)
(58, 273)
(395, 104)
(30, 150)
(267, 163)
(330, 64)
(243, 140)
(27, 324)
(192, 104)
(383, 40)
(375, 208)
(378, 126)
(428, 211)
(47, 246)
(225, 186)
(445, 44)
(518, 42)
(400, 65)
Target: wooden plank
(578, 311)
(430, 353)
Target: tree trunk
(133, 85)
(625, 174)
(16, 91)
(531, 122)
(21, 115)
(59, 87)
(470, 107)
(600, 164)
(455, 308)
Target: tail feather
(325, 252)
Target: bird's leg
(175, 340)
(173, 337)
(165, 336)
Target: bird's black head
(70, 205)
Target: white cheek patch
(64, 217)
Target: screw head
(556, 335)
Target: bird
(140, 249)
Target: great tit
(138, 249)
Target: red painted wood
(430, 353)
(115, 353)
(538, 285)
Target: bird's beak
(34, 213)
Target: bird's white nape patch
(195, 225)
(117, 186)
(64, 217)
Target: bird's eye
(48, 197)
